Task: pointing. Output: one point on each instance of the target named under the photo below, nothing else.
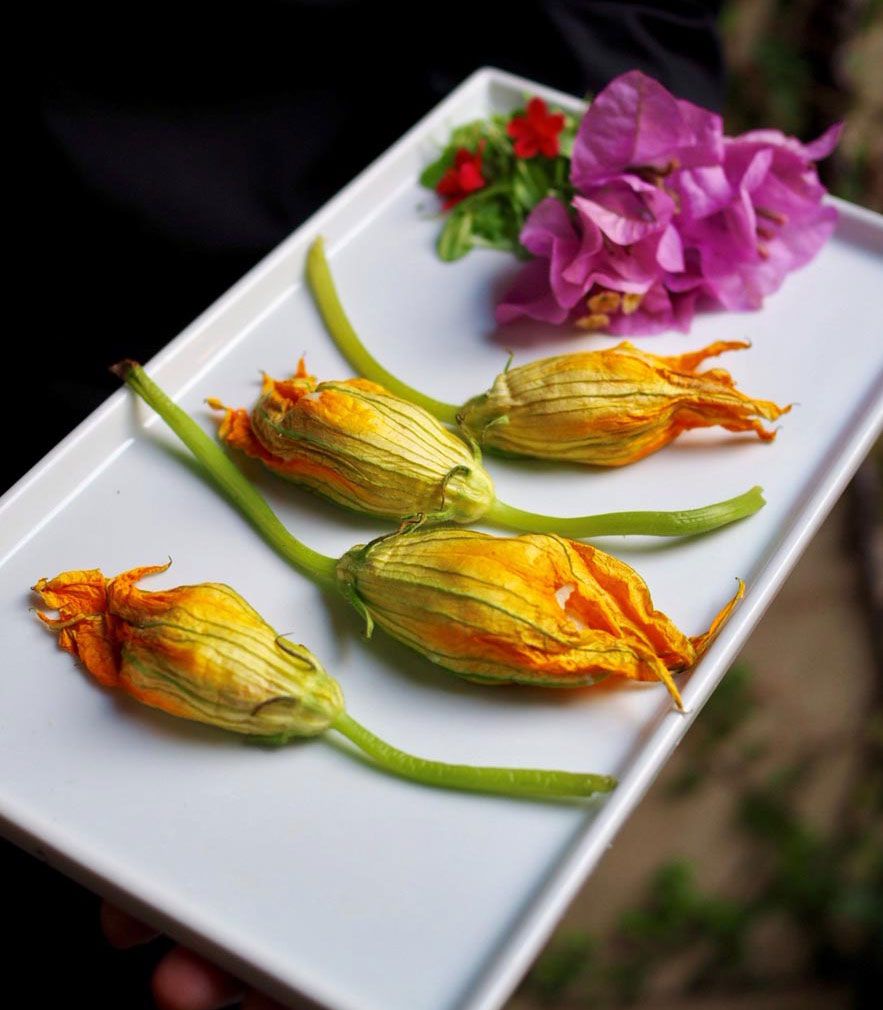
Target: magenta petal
(756, 170)
(587, 256)
(703, 136)
(740, 281)
(793, 247)
(626, 209)
(567, 276)
(631, 122)
(635, 122)
(630, 268)
(788, 193)
(531, 296)
(822, 146)
(817, 149)
(547, 224)
(701, 191)
(550, 234)
(670, 251)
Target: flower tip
(123, 369)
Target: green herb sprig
(492, 217)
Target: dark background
(176, 145)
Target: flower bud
(200, 652)
(532, 609)
(363, 448)
(610, 407)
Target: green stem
(655, 524)
(509, 781)
(235, 486)
(479, 196)
(342, 333)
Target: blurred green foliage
(825, 889)
(800, 65)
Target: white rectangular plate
(301, 867)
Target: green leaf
(468, 135)
(489, 220)
(432, 175)
(561, 965)
(531, 183)
(456, 236)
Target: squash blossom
(201, 652)
(610, 407)
(604, 408)
(361, 447)
(533, 609)
(368, 450)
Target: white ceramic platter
(302, 868)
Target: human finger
(122, 930)
(185, 981)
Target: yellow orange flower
(610, 407)
(532, 609)
(362, 447)
(200, 652)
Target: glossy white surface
(302, 867)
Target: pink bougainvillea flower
(536, 132)
(774, 222)
(669, 216)
(634, 125)
(463, 177)
(574, 257)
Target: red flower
(463, 177)
(537, 131)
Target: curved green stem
(509, 781)
(235, 486)
(685, 523)
(342, 333)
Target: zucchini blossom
(532, 609)
(610, 407)
(361, 447)
(202, 653)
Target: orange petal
(702, 642)
(85, 627)
(692, 360)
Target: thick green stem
(509, 781)
(235, 486)
(685, 523)
(342, 333)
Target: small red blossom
(463, 177)
(537, 131)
